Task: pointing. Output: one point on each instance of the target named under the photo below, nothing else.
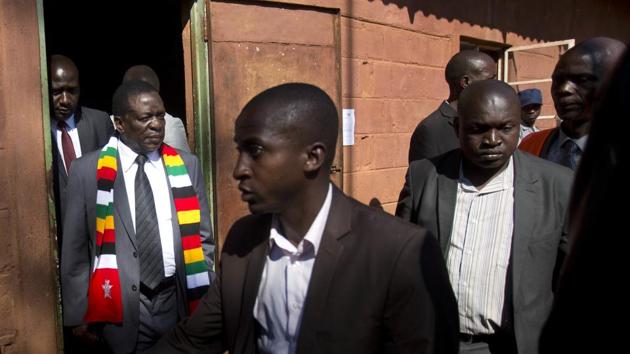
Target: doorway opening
(105, 38)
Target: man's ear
(315, 156)
(464, 81)
(118, 124)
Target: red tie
(66, 145)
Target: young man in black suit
(313, 271)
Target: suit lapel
(448, 175)
(525, 204)
(84, 133)
(246, 333)
(330, 250)
(544, 152)
(121, 205)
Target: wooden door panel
(256, 47)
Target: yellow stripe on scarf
(107, 161)
(172, 161)
(193, 255)
(188, 217)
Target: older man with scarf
(138, 243)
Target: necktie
(66, 145)
(570, 154)
(147, 232)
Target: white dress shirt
(74, 136)
(479, 248)
(154, 169)
(284, 285)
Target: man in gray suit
(76, 130)
(499, 215)
(138, 243)
(174, 132)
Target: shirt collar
(580, 142)
(69, 122)
(128, 156)
(313, 235)
(502, 181)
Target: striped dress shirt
(478, 253)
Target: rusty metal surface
(247, 60)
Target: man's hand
(86, 334)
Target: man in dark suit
(313, 271)
(76, 130)
(137, 238)
(499, 215)
(435, 134)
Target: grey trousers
(157, 316)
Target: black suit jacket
(378, 285)
(434, 135)
(94, 128)
(541, 197)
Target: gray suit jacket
(541, 197)
(80, 240)
(94, 128)
(434, 135)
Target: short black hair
(302, 110)
(120, 101)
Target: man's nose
(241, 170)
(492, 138)
(563, 87)
(64, 98)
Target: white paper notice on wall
(348, 127)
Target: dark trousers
(158, 315)
(499, 343)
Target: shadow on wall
(537, 19)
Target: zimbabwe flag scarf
(104, 295)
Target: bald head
(301, 112)
(488, 127)
(488, 93)
(577, 79)
(142, 73)
(64, 85)
(466, 67)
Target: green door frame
(202, 102)
(52, 220)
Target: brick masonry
(393, 58)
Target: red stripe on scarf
(109, 236)
(192, 305)
(191, 241)
(106, 173)
(104, 297)
(184, 204)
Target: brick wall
(27, 270)
(393, 58)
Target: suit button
(134, 288)
(135, 255)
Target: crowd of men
(470, 263)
